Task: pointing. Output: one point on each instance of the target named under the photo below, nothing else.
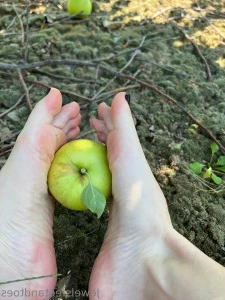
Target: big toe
(122, 140)
(49, 126)
(38, 133)
(121, 113)
(134, 186)
(46, 109)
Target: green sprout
(208, 170)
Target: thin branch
(206, 130)
(47, 86)
(150, 42)
(121, 70)
(119, 75)
(27, 31)
(210, 24)
(6, 149)
(5, 152)
(85, 134)
(27, 66)
(11, 137)
(135, 74)
(62, 91)
(96, 79)
(25, 89)
(208, 71)
(133, 55)
(65, 77)
(215, 28)
(169, 69)
(13, 21)
(65, 19)
(162, 11)
(118, 90)
(31, 278)
(75, 95)
(79, 236)
(89, 63)
(103, 89)
(21, 23)
(15, 105)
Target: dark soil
(170, 139)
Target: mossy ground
(168, 137)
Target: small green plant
(208, 170)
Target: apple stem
(83, 171)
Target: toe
(72, 124)
(118, 116)
(121, 113)
(102, 137)
(46, 109)
(99, 126)
(72, 134)
(101, 129)
(68, 112)
(104, 112)
(122, 142)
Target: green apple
(75, 6)
(76, 166)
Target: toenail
(127, 97)
(48, 91)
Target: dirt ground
(146, 40)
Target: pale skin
(142, 256)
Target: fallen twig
(169, 69)
(31, 278)
(208, 71)
(121, 70)
(134, 75)
(30, 66)
(46, 86)
(207, 131)
(10, 137)
(75, 237)
(65, 19)
(210, 24)
(62, 91)
(65, 77)
(5, 152)
(6, 149)
(118, 90)
(27, 31)
(15, 105)
(119, 75)
(25, 89)
(85, 134)
(162, 11)
(21, 23)
(14, 19)
(134, 54)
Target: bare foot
(139, 217)
(26, 209)
(142, 256)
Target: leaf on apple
(94, 199)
